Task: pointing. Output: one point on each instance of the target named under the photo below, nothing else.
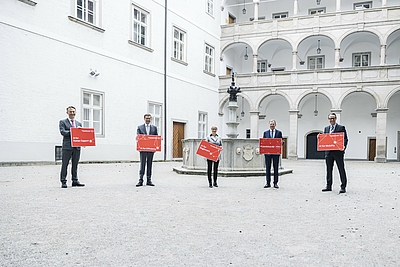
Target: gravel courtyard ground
(182, 222)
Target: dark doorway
(312, 143)
(372, 149)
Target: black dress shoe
(150, 184)
(64, 185)
(215, 185)
(139, 184)
(210, 185)
(326, 189)
(342, 191)
(267, 186)
(77, 183)
(276, 186)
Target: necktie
(72, 123)
(273, 134)
(331, 131)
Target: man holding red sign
(146, 157)
(335, 155)
(69, 152)
(272, 133)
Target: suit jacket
(65, 126)
(338, 129)
(141, 129)
(268, 134)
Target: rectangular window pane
(96, 100)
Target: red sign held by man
(209, 150)
(332, 141)
(272, 146)
(83, 137)
(148, 143)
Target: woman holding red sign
(215, 139)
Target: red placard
(148, 143)
(208, 150)
(83, 137)
(271, 146)
(333, 141)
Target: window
(361, 6)
(86, 10)
(93, 111)
(140, 26)
(58, 153)
(209, 59)
(210, 7)
(231, 19)
(316, 62)
(317, 11)
(262, 66)
(155, 111)
(248, 131)
(280, 15)
(362, 59)
(202, 125)
(228, 70)
(179, 44)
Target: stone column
(338, 6)
(295, 8)
(254, 124)
(381, 123)
(384, 3)
(255, 57)
(292, 140)
(294, 60)
(256, 4)
(337, 57)
(383, 55)
(232, 123)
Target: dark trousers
(74, 154)
(146, 161)
(210, 164)
(330, 158)
(275, 160)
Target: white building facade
(114, 63)
(298, 60)
(294, 60)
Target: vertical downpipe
(165, 81)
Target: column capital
(294, 111)
(336, 110)
(254, 112)
(381, 110)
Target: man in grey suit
(146, 158)
(335, 155)
(69, 152)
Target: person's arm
(346, 140)
(63, 129)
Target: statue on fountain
(233, 90)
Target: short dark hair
(332, 113)
(147, 114)
(70, 107)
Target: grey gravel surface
(182, 222)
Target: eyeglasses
(213, 129)
(332, 119)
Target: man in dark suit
(146, 157)
(69, 152)
(272, 133)
(335, 155)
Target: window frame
(361, 54)
(280, 14)
(259, 62)
(181, 56)
(91, 107)
(156, 119)
(209, 59)
(323, 9)
(210, 7)
(95, 11)
(361, 4)
(202, 124)
(316, 57)
(147, 26)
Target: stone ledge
(229, 173)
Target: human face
(71, 113)
(214, 130)
(147, 119)
(272, 125)
(332, 119)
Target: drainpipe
(165, 81)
